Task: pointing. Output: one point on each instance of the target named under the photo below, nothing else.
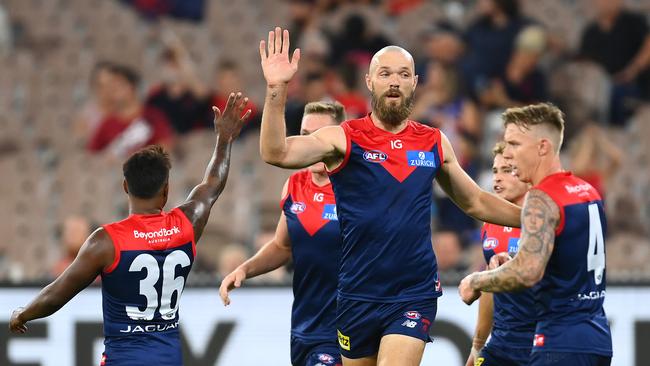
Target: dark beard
(391, 115)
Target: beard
(392, 114)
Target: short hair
(498, 148)
(545, 114)
(333, 109)
(125, 72)
(147, 171)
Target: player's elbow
(272, 156)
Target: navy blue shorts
(314, 353)
(361, 325)
(492, 355)
(568, 359)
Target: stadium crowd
(85, 83)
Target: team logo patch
(329, 212)
(539, 340)
(325, 358)
(298, 207)
(412, 315)
(513, 245)
(421, 158)
(344, 341)
(374, 156)
(490, 243)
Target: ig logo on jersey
(374, 156)
(297, 207)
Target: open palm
(229, 123)
(275, 64)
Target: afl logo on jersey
(374, 156)
(412, 315)
(298, 207)
(490, 243)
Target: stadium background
(59, 181)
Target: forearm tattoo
(539, 218)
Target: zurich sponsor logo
(297, 207)
(513, 245)
(412, 315)
(490, 243)
(374, 156)
(421, 158)
(329, 212)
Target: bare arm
(467, 195)
(275, 147)
(483, 325)
(227, 126)
(540, 218)
(273, 255)
(96, 254)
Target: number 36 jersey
(570, 296)
(141, 290)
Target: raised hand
(275, 64)
(231, 281)
(229, 123)
(498, 259)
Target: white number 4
(170, 285)
(596, 252)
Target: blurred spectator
(594, 157)
(74, 231)
(231, 256)
(6, 41)
(397, 7)
(181, 9)
(100, 103)
(228, 80)
(489, 41)
(346, 92)
(523, 82)
(314, 89)
(356, 43)
(181, 95)
(618, 39)
(440, 104)
(442, 43)
(131, 125)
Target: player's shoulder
(566, 188)
(299, 178)
(357, 124)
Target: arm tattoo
(539, 218)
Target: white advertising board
(254, 329)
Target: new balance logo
(156, 234)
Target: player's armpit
(327, 145)
(540, 217)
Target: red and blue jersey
(383, 191)
(514, 313)
(570, 295)
(141, 289)
(315, 238)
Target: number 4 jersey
(141, 290)
(570, 296)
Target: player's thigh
(363, 361)
(568, 359)
(358, 330)
(400, 350)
